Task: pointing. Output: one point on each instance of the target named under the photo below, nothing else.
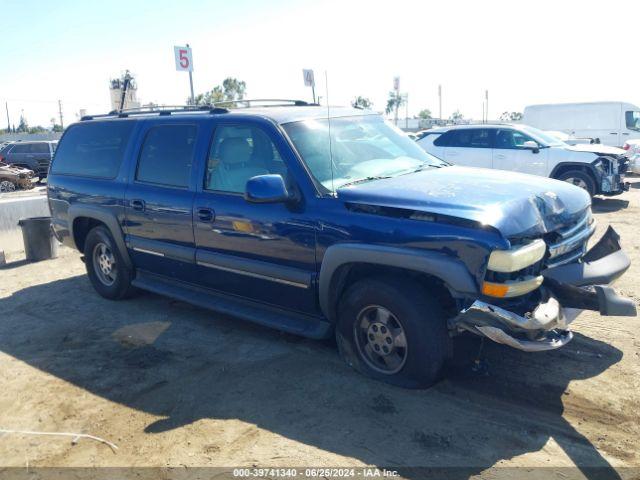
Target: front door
(510, 154)
(263, 252)
(159, 201)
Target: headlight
(507, 261)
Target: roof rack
(215, 108)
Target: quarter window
(167, 155)
(92, 149)
(238, 153)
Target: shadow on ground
(184, 364)
(608, 205)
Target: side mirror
(266, 189)
(531, 145)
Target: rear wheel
(394, 331)
(7, 186)
(580, 179)
(105, 266)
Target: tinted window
(465, 138)
(20, 148)
(511, 139)
(92, 149)
(167, 155)
(39, 148)
(238, 153)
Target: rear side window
(39, 148)
(167, 155)
(465, 138)
(92, 149)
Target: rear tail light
(1, 158)
(626, 146)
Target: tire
(580, 179)
(105, 266)
(7, 186)
(418, 314)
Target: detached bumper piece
(543, 329)
(579, 285)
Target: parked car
(324, 226)
(520, 148)
(35, 156)
(610, 123)
(12, 178)
(632, 149)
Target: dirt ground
(174, 385)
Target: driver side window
(511, 139)
(238, 153)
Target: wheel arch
(568, 166)
(83, 218)
(345, 263)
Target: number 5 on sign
(184, 61)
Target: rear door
(467, 146)
(510, 154)
(159, 199)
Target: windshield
(362, 148)
(544, 138)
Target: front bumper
(566, 291)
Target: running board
(268, 316)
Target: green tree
(395, 100)
(511, 116)
(230, 90)
(456, 117)
(23, 126)
(362, 102)
(36, 129)
(425, 114)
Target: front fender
(451, 271)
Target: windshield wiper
(365, 179)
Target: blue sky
(523, 52)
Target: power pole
(6, 105)
(486, 102)
(440, 102)
(60, 112)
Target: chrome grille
(570, 243)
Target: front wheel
(7, 186)
(392, 330)
(580, 179)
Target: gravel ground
(177, 386)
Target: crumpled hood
(596, 148)
(518, 205)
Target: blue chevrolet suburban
(329, 223)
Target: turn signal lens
(494, 289)
(511, 289)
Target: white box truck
(610, 123)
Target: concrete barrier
(12, 210)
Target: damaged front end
(570, 282)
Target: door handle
(500, 156)
(625, 133)
(205, 214)
(452, 154)
(137, 205)
(613, 133)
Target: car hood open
(518, 205)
